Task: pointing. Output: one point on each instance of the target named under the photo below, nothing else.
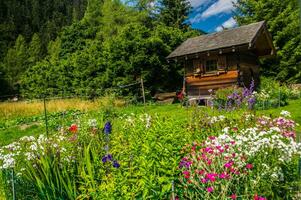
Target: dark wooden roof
(228, 38)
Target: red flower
(249, 166)
(186, 174)
(233, 196)
(201, 172)
(256, 197)
(212, 137)
(73, 128)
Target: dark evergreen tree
(174, 13)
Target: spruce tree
(15, 62)
(35, 49)
(174, 13)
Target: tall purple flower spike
(108, 128)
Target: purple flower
(116, 164)
(108, 128)
(110, 157)
(107, 158)
(185, 163)
(104, 159)
(251, 102)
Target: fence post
(45, 113)
(13, 185)
(299, 165)
(279, 98)
(143, 93)
(173, 190)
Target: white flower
(33, 147)
(285, 113)
(92, 122)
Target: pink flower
(210, 189)
(223, 175)
(256, 197)
(203, 180)
(211, 177)
(249, 166)
(229, 164)
(201, 172)
(212, 137)
(209, 150)
(186, 174)
(233, 196)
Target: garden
(108, 150)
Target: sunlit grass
(10, 110)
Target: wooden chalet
(224, 58)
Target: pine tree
(174, 13)
(15, 62)
(93, 11)
(35, 49)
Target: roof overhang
(260, 43)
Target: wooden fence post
(143, 92)
(13, 184)
(45, 113)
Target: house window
(211, 65)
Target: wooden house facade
(224, 58)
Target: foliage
(282, 17)
(234, 97)
(97, 51)
(92, 56)
(146, 148)
(174, 13)
(273, 94)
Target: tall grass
(9, 110)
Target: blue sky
(212, 15)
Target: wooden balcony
(199, 85)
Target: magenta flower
(223, 175)
(203, 180)
(249, 166)
(229, 164)
(256, 197)
(210, 189)
(211, 177)
(233, 196)
(186, 174)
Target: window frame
(211, 69)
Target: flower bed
(140, 156)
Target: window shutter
(222, 62)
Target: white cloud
(218, 7)
(221, 6)
(219, 28)
(197, 3)
(230, 23)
